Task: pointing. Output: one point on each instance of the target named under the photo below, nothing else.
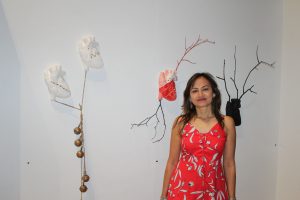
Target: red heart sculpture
(168, 91)
(167, 87)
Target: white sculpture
(57, 86)
(89, 53)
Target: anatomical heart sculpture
(166, 84)
(57, 86)
(167, 89)
(89, 53)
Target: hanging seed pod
(80, 154)
(85, 178)
(83, 188)
(77, 130)
(78, 142)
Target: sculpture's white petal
(54, 79)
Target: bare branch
(66, 105)
(259, 62)
(155, 128)
(248, 90)
(236, 88)
(224, 79)
(83, 88)
(145, 122)
(257, 54)
(269, 64)
(164, 123)
(196, 43)
(156, 125)
(188, 61)
(234, 75)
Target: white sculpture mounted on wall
(57, 86)
(89, 53)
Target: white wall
(288, 186)
(138, 38)
(10, 112)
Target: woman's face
(201, 93)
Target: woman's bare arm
(173, 155)
(229, 156)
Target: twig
(83, 89)
(234, 75)
(196, 43)
(259, 62)
(165, 126)
(145, 121)
(66, 104)
(224, 79)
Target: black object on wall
(233, 110)
(234, 104)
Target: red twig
(196, 43)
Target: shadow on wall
(10, 109)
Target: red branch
(198, 42)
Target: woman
(201, 162)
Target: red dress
(199, 173)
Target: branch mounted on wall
(167, 90)
(233, 104)
(58, 88)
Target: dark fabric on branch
(233, 110)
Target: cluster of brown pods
(79, 142)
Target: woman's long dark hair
(189, 110)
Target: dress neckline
(204, 132)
